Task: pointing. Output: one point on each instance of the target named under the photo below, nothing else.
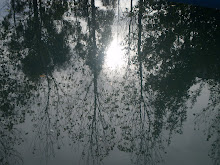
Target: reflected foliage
(38, 37)
(173, 54)
(211, 117)
(111, 3)
(98, 135)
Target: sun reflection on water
(115, 58)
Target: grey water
(124, 82)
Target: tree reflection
(111, 3)
(35, 41)
(168, 58)
(10, 138)
(47, 45)
(48, 120)
(13, 94)
(178, 56)
(211, 117)
(139, 112)
(141, 127)
(95, 130)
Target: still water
(124, 82)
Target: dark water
(204, 3)
(109, 82)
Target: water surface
(109, 82)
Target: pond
(129, 82)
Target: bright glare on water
(115, 58)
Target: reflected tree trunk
(98, 130)
(140, 15)
(129, 33)
(48, 120)
(14, 12)
(140, 59)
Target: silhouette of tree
(36, 43)
(211, 118)
(94, 129)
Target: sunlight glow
(115, 56)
